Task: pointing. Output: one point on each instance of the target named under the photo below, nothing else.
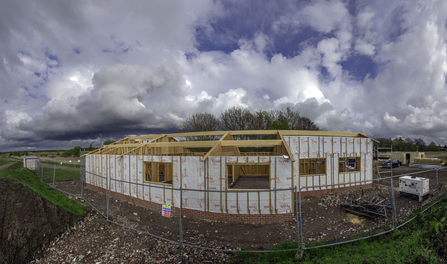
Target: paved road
(60, 167)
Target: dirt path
(4, 166)
(60, 167)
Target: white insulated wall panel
(357, 147)
(350, 147)
(336, 145)
(304, 149)
(253, 203)
(157, 193)
(112, 172)
(103, 165)
(293, 145)
(283, 173)
(327, 142)
(242, 202)
(264, 159)
(119, 175)
(314, 150)
(176, 179)
(266, 207)
(272, 173)
(193, 177)
(253, 159)
(231, 159)
(232, 203)
(87, 169)
(126, 175)
(309, 182)
(215, 184)
(140, 176)
(343, 145)
(133, 176)
(368, 164)
(242, 159)
(284, 201)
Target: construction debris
(373, 208)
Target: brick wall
(255, 219)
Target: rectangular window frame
(167, 170)
(227, 174)
(312, 166)
(344, 165)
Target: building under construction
(246, 176)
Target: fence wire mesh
(180, 231)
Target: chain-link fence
(391, 213)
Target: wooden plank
(215, 147)
(196, 134)
(253, 132)
(252, 143)
(286, 146)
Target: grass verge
(26, 177)
(60, 175)
(4, 161)
(417, 242)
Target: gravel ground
(93, 241)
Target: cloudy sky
(81, 72)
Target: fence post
(107, 196)
(54, 175)
(437, 184)
(180, 218)
(301, 223)
(392, 203)
(297, 219)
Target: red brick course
(246, 218)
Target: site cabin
(405, 157)
(31, 163)
(268, 163)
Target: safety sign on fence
(166, 210)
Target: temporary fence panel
(193, 177)
(215, 201)
(126, 175)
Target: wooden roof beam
(286, 146)
(217, 146)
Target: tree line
(238, 118)
(409, 144)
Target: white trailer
(414, 185)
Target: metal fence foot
(299, 254)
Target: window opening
(249, 176)
(158, 172)
(349, 164)
(312, 166)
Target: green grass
(26, 177)
(61, 175)
(4, 161)
(63, 164)
(413, 243)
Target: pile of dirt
(27, 222)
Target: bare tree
(236, 118)
(201, 122)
